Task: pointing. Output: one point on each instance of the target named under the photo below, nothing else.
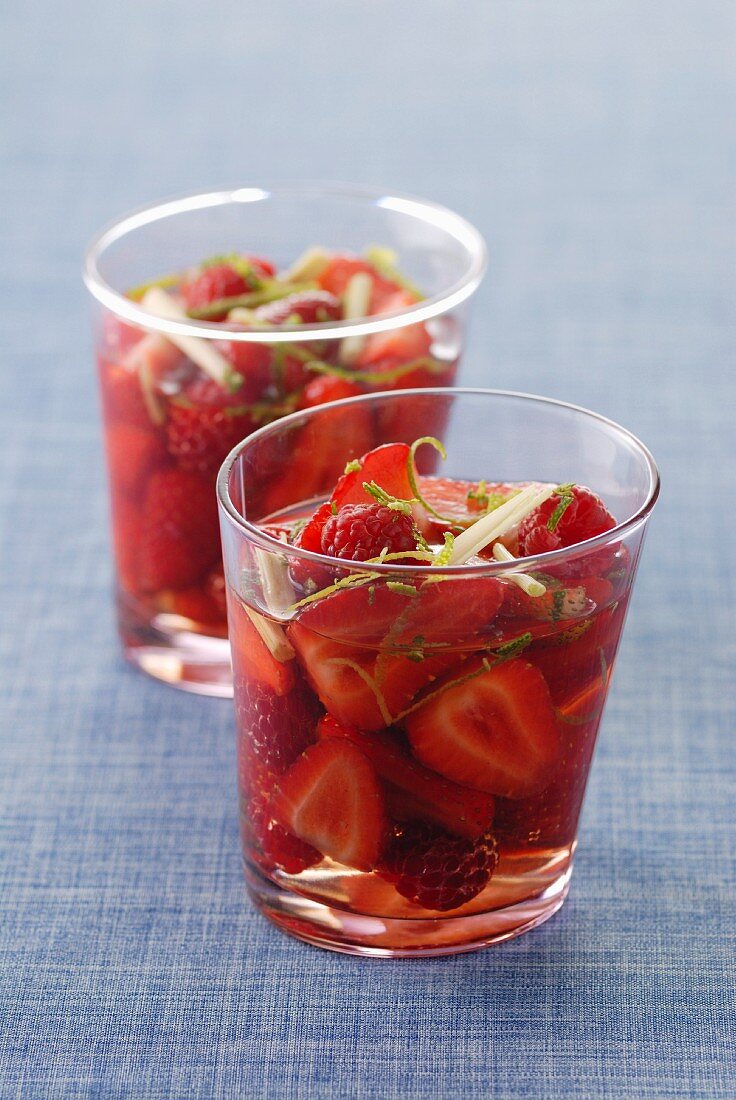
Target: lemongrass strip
(309, 265)
(200, 351)
(273, 636)
(153, 403)
(523, 581)
(498, 522)
(242, 316)
(356, 303)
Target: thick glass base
(167, 648)
(339, 929)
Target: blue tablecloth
(593, 145)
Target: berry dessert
(414, 738)
(175, 406)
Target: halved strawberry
(342, 677)
(573, 658)
(386, 465)
(331, 798)
(496, 731)
(399, 344)
(252, 659)
(414, 792)
(132, 454)
(340, 270)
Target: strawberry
(205, 425)
(132, 453)
(211, 284)
(331, 799)
(437, 871)
(122, 397)
(386, 465)
(265, 838)
(340, 270)
(342, 678)
(252, 659)
(573, 658)
(464, 501)
(414, 792)
(496, 730)
(398, 345)
(118, 337)
(253, 374)
(180, 532)
(194, 604)
(326, 387)
(126, 533)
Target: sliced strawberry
(253, 364)
(573, 658)
(414, 792)
(361, 615)
(340, 270)
(331, 799)
(342, 677)
(496, 731)
(327, 387)
(386, 465)
(252, 659)
(400, 345)
(122, 396)
(132, 454)
(211, 284)
(126, 533)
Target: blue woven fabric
(593, 145)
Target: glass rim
(537, 563)
(424, 209)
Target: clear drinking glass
(169, 416)
(391, 660)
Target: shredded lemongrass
(355, 305)
(273, 636)
(526, 583)
(278, 591)
(152, 401)
(200, 351)
(242, 316)
(309, 265)
(496, 523)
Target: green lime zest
(512, 648)
(485, 666)
(442, 557)
(344, 662)
(271, 290)
(402, 589)
(372, 377)
(352, 467)
(566, 498)
(166, 282)
(411, 470)
(238, 263)
(396, 504)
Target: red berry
(584, 517)
(327, 387)
(180, 535)
(274, 844)
(132, 453)
(308, 308)
(435, 870)
(213, 283)
(276, 728)
(202, 432)
(361, 531)
(122, 397)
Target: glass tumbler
(379, 288)
(414, 739)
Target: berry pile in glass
(174, 406)
(414, 739)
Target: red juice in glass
(421, 664)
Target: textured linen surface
(593, 144)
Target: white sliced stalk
(200, 351)
(242, 316)
(355, 305)
(278, 590)
(496, 523)
(523, 581)
(139, 360)
(308, 266)
(273, 635)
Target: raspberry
(218, 281)
(202, 433)
(276, 729)
(362, 531)
(584, 517)
(435, 870)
